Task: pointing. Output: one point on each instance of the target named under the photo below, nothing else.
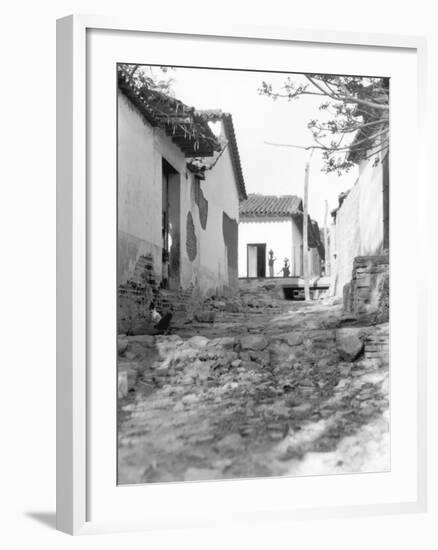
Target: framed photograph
(239, 226)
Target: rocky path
(284, 390)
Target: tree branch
(347, 98)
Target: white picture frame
(73, 221)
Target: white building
(275, 223)
(179, 187)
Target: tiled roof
(281, 206)
(227, 120)
(268, 206)
(237, 167)
(188, 129)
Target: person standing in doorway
(271, 261)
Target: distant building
(269, 222)
(179, 187)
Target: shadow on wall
(191, 240)
(230, 234)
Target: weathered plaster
(141, 149)
(230, 235)
(191, 240)
(359, 223)
(200, 201)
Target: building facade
(179, 187)
(275, 223)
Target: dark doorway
(170, 226)
(256, 260)
(293, 293)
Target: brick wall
(367, 295)
(377, 344)
(135, 296)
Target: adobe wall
(209, 222)
(277, 234)
(358, 230)
(204, 238)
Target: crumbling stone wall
(135, 296)
(377, 344)
(367, 294)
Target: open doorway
(170, 226)
(256, 260)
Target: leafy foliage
(186, 126)
(354, 120)
(148, 77)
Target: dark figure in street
(163, 325)
(285, 269)
(271, 261)
(162, 322)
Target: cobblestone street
(281, 388)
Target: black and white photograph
(226, 217)
(253, 274)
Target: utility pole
(326, 243)
(306, 230)
(305, 214)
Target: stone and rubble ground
(255, 387)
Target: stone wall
(135, 296)
(367, 295)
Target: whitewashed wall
(141, 149)
(359, 223)
(314, 263)
(139, 191)
(284, 237)
(276, 233)
(297, 249)
(210, 267)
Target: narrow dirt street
(281, 388)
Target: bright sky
(266, 169)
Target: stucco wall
(359, 223)
(141, 149)
(209, 269)
(314, 263)
(276, 233)
(284, 237)
(297, 249)
(139, 191)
